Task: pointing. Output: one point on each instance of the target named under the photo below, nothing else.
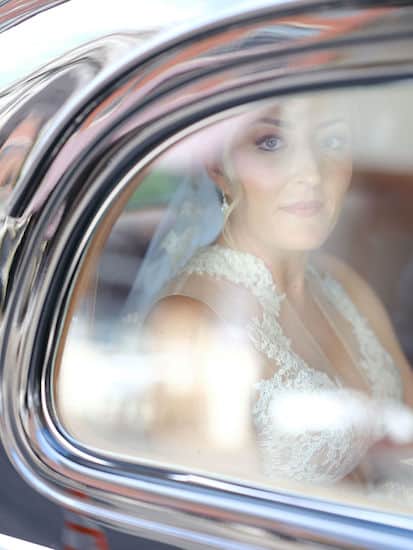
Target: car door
(81, 402)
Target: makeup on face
(293, 162)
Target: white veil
(193, 219)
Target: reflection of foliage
(155, 190)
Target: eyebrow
(274, 122)
(284, 124)
(331, 122)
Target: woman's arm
(205, 383)
(176, 334)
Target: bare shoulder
(179, 318)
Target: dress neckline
(267, 334)
(264, 277)
(250, 256)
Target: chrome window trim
(160, 44)
(24, 12)
(162, 492)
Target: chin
(304, 237)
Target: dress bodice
(333, 450)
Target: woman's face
(292, 162)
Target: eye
(334, 142)
(270, 143)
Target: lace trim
(329, 454)
(265, 332)
(376, 362)
(239, 268)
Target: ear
(217, 175)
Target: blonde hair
(236, 195)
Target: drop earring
(224, 204)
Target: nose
(306, 167)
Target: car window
(249, 314)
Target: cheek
(336, 175)
(259, 173)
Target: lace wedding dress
(240, 289)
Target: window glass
(250, 314)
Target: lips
(303, 208)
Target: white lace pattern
(323, 455)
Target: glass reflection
(24, 115)
(16, 140)
(240, 320)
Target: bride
(317, 336)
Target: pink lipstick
(303, 208)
